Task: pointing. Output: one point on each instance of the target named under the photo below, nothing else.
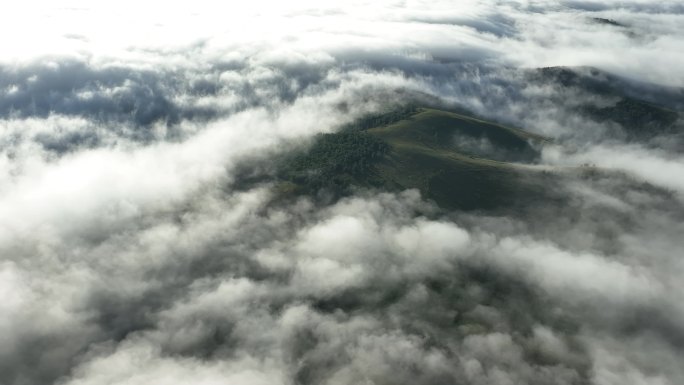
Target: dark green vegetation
(458, 161)
(335, 161)
(639, 119)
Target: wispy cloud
(130, 253)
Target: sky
(131, 253)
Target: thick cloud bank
(137, 248)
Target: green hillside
(437, 152)
(639, 119)
(448, 131)
(456, 160)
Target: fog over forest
(204, 193)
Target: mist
(144, 237)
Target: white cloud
(129, 255)
(654, 166)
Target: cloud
(134, 251)
(656, 167)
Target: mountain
(464, 162)
(456, 160)
(460, 161)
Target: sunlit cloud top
(518, 33)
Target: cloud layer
(132, 251)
